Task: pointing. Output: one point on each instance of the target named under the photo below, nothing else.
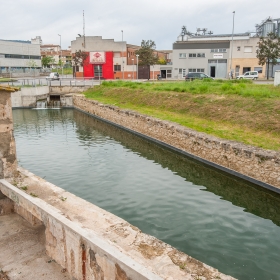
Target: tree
(78, 59)
(146, 53)
(268, 50)
(60, 63)
(161, 61)
(47, 60)
(32, 64)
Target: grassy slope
(233, 110)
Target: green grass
(7, 80)
(66, 71)
(234, 110)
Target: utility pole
(122, 58)
(137, 55)
(61, 63)
(84, 30)
(231, 73)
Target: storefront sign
(218, 55)
(97, 57)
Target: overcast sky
(158, 20)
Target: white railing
(43, 81)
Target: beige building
(244, 57)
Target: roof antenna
(84, 29)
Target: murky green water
(222, 221)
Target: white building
(19, 57)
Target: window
(168, 73)
(117, 68)
(238, 49)
(21, 56)
(201, 55)
(182, 55)
(182, 71)
(219, 50)
(248, 49)
(196, 70)
(192, 54)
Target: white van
(252, 75)
(53, 76)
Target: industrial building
(17, 58)
(219, 55)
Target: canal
(218, 219)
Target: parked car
(53, 76)
(197, 75)
(252, 75)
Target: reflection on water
(218, 219)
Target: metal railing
(45, 81)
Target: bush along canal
(218, 219)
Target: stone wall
(68, 89)
(8, 162)
(261, 165)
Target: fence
(67, 81)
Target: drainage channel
(221, 220)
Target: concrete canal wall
(255, 163)
(27, 97)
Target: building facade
(19, 57)
(216, 55)
(59, 56)
(109, 59)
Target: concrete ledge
(83, 244)
(91, 243)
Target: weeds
(182, 265)
(33, 194)
(25, 188)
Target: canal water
(218, 219)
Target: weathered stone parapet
(8, 162)
(262, 165)
(91, 243)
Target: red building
(108, 59)
(99, 64)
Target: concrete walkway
(22, 251)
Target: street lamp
(61, 64)
(122, 58)
(231, 73)
(132, 68)
(137, 55)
